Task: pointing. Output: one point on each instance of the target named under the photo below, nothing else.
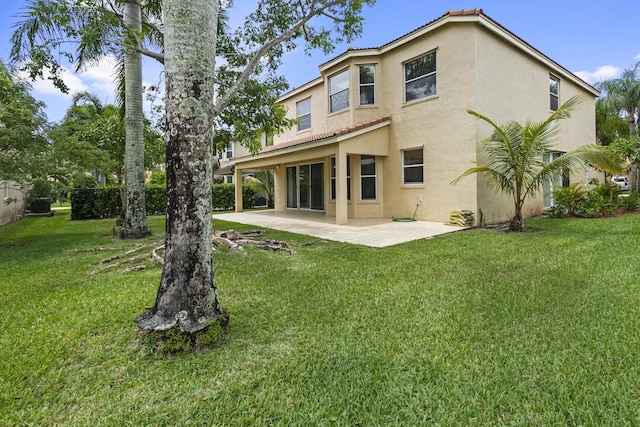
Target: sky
(595, 40)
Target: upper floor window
(339, 91)
(367, 84)
(420, 77)
(413, 166)
(554, 93)
(368, 179)
(303, 111)
(227, 153)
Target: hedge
(106, 202)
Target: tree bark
(516, 221)
(135, 220)
(187, 296)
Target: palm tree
(117, 28)
(264, 184)
(623, 95)
(514, 158)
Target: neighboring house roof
(470, 14)
(319, 139)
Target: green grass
(471, 328)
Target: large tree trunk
(187, 296)
(135, 220)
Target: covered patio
(313, 173)
(374, 232)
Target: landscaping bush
(602, 200)
(567, 200)
(41, 189)
(223, 196)
(155, 198)
(630, 202)
(158, 178)
(85, 181)
(95, 203)
(106, 202)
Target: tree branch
(151, 54)
(225, 100)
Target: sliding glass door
(305, 186)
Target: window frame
(362, 85)
(422, 76)
(411, 166)
(554, 95)
(332, 179)
(368, 177)
(299, 116)
(339, 91)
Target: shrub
(85, 181)
(568, 199)
(630, 202)
(155, 198)
(158, 178)
(106, 202)
(40, 189)
(95, 203)
(223, 196)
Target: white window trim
(346, 70)
(333, 178)
(303, 115)
(375, 176)
(556, 95)
(404, 167)
(404, 73)
(361, 85)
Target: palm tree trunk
(516, 221)
(135, 220)
(187, 296)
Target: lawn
(471, 328)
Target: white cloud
(637, 57)
(46, 87)
(101, 77)
(98, 79)
(604, 72)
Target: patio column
(280, 188)
(237, 178)
(342, 210)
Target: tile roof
(320, 136)
(462, 12)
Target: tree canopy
(22, 128)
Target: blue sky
(596, 40)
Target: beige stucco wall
(476, 69)
(502, 97)
(10, 212)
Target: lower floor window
(548, 187)
(368, 179)
(413, 166)
(332, 194)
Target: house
(13, 201)
(383, 131)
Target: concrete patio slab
(377, 232)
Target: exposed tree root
(231, 239)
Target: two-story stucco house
(384, 130)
